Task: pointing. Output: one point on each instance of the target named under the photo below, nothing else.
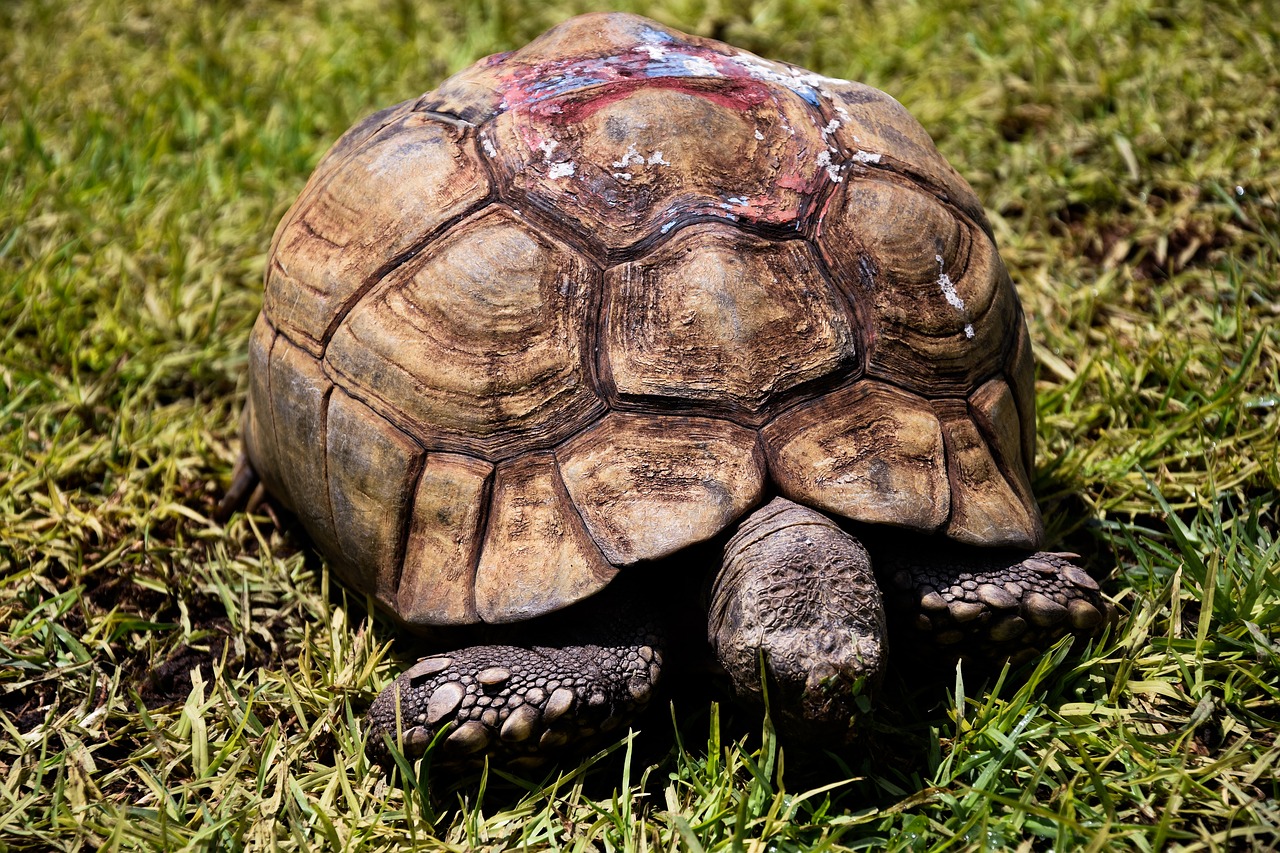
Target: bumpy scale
(523, 704)
(990, 605)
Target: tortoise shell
(586, 303)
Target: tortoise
(606, 304)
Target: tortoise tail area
(246, 491)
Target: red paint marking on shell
(552, 98)
(795, 182)
(738, 95)
(763, 207)
(661, 62)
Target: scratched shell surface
(588, 303)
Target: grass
(169, 682)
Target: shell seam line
(487, 491)
(564, 491)
(380, 274)
(406, 525)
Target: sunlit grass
(168, 681)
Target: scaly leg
(522, 705)
(989, 605)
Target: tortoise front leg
(798, 592)
(521, 705)
(987, 604)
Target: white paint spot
(818, 81)
(622, 176)
(487, 146)
(655, 51)
(563, 169)
(832, 127)
(949, 293)
(759, 135)
(795, 79)
(739, 200)
(632, 156)
(866, 157)
(753, 64)
(833, 169)
(667, 227)
(700, 67)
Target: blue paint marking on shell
(612, 69)
(809, 94)
(651, 36)
(554, 85)
(653, 55)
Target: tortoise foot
(994, 605)
(515, 705)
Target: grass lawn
(168, 681)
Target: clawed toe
(999, 609)
(511, 704)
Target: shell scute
(444, 541)
(300, 394)
(870, 452)
(259, 429)
(650, 485)
(478, 343)
(371, 470)
(876, 132)
(576, 307)
(599, 161)
(995, 411)
(720, 318)
(985, 508)
(537, 555)
(934, 292)
(379, 202)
